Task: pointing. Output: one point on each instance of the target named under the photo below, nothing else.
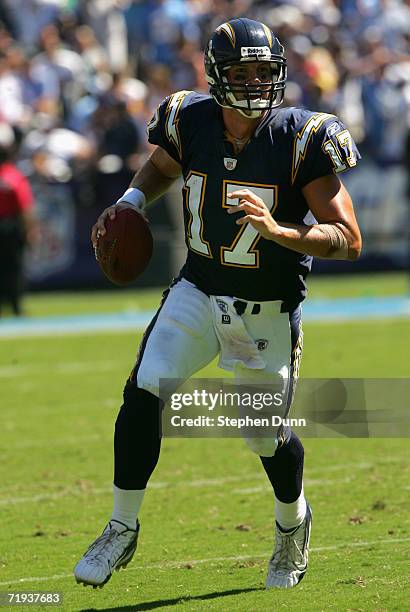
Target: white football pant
(181, 340)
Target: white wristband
(135, 197)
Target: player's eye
(264, 74)
(240, 75)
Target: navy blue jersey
(290, 148)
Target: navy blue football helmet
(242, 41)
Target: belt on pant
(254, 308)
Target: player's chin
(254, 113)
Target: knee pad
(150, 374)
(267, 447)
(264, 447)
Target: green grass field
(56, 303)
(207, 519)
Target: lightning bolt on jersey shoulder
(303, 137)
(321, 146)
(172, 122)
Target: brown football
(124, 251)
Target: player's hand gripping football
(256, 213)
(98, 229)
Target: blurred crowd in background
(79, 79)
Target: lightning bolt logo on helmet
(227, 29)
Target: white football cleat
(289, 561)
(111, 550)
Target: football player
(261, 197)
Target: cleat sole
(90, 584)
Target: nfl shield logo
(230, 163)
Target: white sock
(127, 504)
(290, 515)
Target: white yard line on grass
(207, 482)
(212, 482)
(308, 482)
(72, 491)
(181, 563)
(63, 367)
(60, 442)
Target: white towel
(237, 345)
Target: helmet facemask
(243, 42)
(254, 98)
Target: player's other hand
(256, 212)
(98, 229)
